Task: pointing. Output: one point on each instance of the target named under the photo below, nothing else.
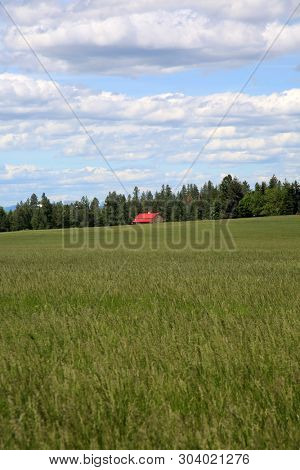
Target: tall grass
(151, 349)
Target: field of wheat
(151, 347)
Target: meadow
(151, 348)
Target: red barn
(148, 218)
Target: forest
(230, 199)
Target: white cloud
(158, 136)
(136, 37)
(96, 175)
(22, 174)
(68, 184)
(181, 157)
(169, 126)
(11, 172)
(236, 157)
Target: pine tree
(230, 199)
(287, 200)
(231, 192)
(39, 219)
(46, 207)
(4, 222)
(273, 183)
(58, 212)
(95, 213)
(33, 201)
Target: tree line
(230, 199)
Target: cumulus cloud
(15, 178)
(137, 37)
(148, 140)
(172, 125)
(13, 172)
(95, 175)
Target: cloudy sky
(150, 81)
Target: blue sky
(150, 81)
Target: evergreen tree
(230, 199)
(231, 192)
(58, 215)
(273, 183)
(296, 197)
(39, 219)
(287, 199)
(21, 217)
(4, 222)
(216, 210)
(46, 216)
(134, 204)
(33, 201)
(116, 209)
(83, 208)
(95, 215)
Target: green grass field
(148, 349)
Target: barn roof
(146, 217)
